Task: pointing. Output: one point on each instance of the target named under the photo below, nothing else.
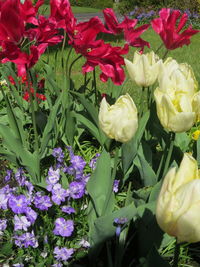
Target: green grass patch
(188, 54)
(45, 10)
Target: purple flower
(63, 253)
(76, 189)
(93, 161)
(26, 240)
(30, 187)
(58, 194)
(121, 220)
(8, 176)
(116, 186)
(84, 243)
(21, 223)
(53, 176)
(31, 215)
(3, 201)
(77, 163)
(58, 154)
(68, 209)
(63, 227)
(18, 204)
(3, 224)
(57, 265)
(18, 265)
(20, 178)
(42, 202)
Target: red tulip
(111, 21)
(168, 26)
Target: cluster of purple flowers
(27, 204)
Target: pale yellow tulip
(177, 99)
(144, 68)
(119, 121)
(178, 204)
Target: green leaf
(104, 227)
(182, 140)
(198, 151)
(24, 157)
(90, 126)
(6, 249)
(89, 106)
(148, 175)
(100, 185)
(129, 150)
(155, 259)
(70, 127)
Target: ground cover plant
(97, 176)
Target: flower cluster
(24, 208)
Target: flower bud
(177, 210)
(144, 68)
(119, 121)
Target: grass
(188, 54)
(45, 10)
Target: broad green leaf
(104, 226)
(182, 140)
(147, 174)
(155, 259)
(129, 150)
(89, 106)
(100, 185)
(90, 126)
(26, 159)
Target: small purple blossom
(8, 176)
(119, 223)
(21, 223)
(58, 154)
(20, 178)
(18, 204)
(63, 227)
(57, 265)
(18, 265)
(116, 186)
(3, 201)
(84, 243)
(68, 209)
(3, 224)
(63, 253)
(58, 194)
(76, 189)
(42, 202)
(26, 240)
(93, 161)
(31, 215)
(53, 176)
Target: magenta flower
(169, 27)
(63, 227)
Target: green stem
(176, 255)
(62, 51)
(67, 60)
(141, 104)
(165, 54)
(171, 146)
(73, 62)
(158, 48)
(33, 117)
(95, 87)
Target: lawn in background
(188, 54)
(45, 10)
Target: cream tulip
(119, 121)
(144, 69)
(178, 204)
(177, 99)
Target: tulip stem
(95, 87)
(170, 150)
(165, 54)
(176, 255)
